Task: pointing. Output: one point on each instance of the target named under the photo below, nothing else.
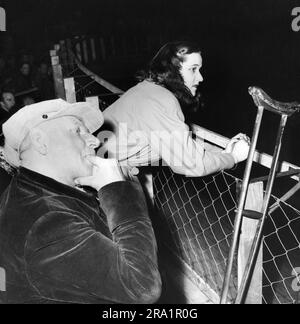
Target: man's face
(25, 69)
(8, 100)
(69, 145)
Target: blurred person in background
(7, 105)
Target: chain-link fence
(281, 255)
(199, 216)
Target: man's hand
(105, 171)
(129, 171)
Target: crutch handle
(262, 99)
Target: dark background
(244, 43)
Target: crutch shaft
(250, 265)
(241, 205)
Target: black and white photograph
(149, 154)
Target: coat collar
(28, 176)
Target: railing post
(85, 51)
(70, 90)
(2, 279)
(57, 74)
(113, 47)
(71, 63)
(254, 202)
(63, 56)
(102, 49)
(93, 101)
(93, 49)
(78, 49)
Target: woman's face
(190, 71)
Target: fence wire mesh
(281, 255)
(199, 215)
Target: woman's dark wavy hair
(164, 69)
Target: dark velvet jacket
(57, 245)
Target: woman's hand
(240, 150)
(234, 140)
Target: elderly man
(58, 242)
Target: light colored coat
(149, 125)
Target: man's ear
(39, 141)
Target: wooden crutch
(262, 101)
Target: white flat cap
(16, 128)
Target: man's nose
(92, 141)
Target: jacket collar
(30, 177)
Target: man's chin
(87, 171)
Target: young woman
(149, 123)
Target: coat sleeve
(69, 260)
(170, 137)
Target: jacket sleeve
(212, 148)
(170, 137)
(68, 260)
